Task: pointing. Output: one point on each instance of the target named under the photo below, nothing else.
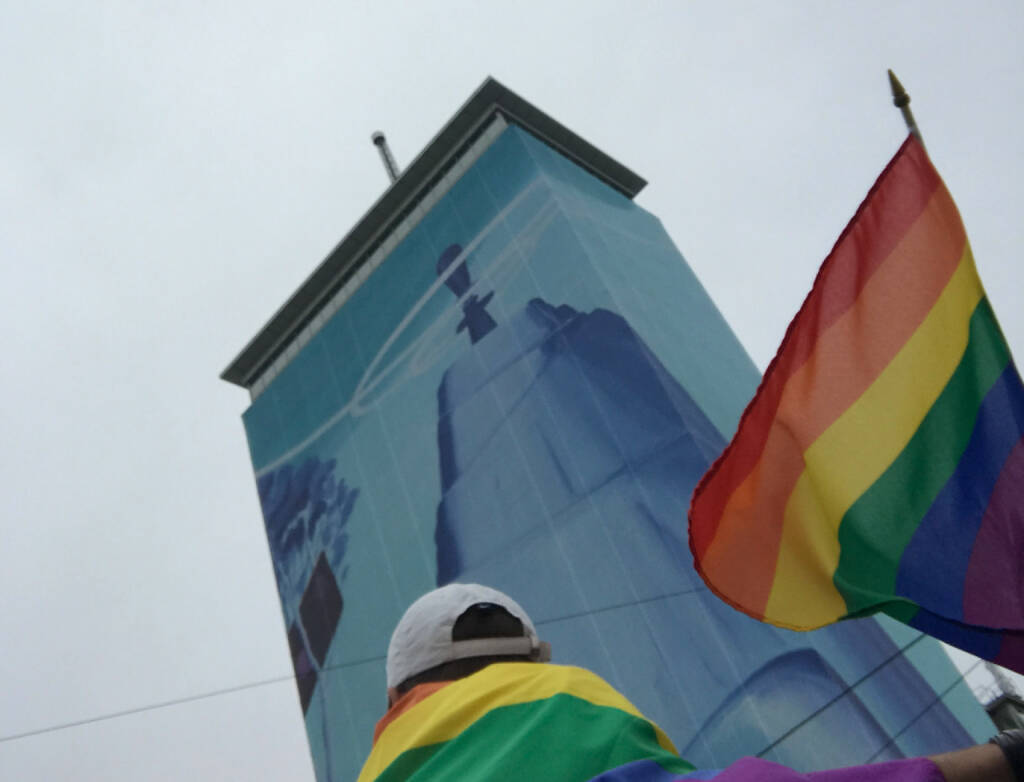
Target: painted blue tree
(306, 510)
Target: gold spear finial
(901, 100)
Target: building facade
(506, 373)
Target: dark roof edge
(422, 173)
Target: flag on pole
(880, 465)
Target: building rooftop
(491, 99)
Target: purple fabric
(1011, 652)
(998, 550)
(910, 770)
(756, 770)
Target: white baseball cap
(423, 636)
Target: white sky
(169, 173)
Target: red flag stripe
(896, 201)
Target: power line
(149, 707)
(176, 701)
(926, 709)
(839, 696)
(627, 604)
(289, 677)
(857, 683)
(251, 685)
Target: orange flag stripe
(889, 308)
(896, 201)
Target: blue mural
(595, 419)
(588, 409)
(306, 510)
(524, 394)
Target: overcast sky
(169, 174)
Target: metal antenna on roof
(385, 154)
(901, 100)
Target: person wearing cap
(471, 696)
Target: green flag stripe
(580, 740)
(880, 524)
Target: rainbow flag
(521, 722)
(880, 466)
(516, 721)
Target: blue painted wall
(524, 394)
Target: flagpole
(901, 100)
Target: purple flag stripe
(996, 560)
(1011, 652)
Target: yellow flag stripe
(855, 450)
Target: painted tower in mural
(507, 373)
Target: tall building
(506, 373)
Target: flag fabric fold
(880, 465)
(530, 721)
(516, 721)
(757, 770)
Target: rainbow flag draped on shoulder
(525, 721)
(880, 466)
(522, 722)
